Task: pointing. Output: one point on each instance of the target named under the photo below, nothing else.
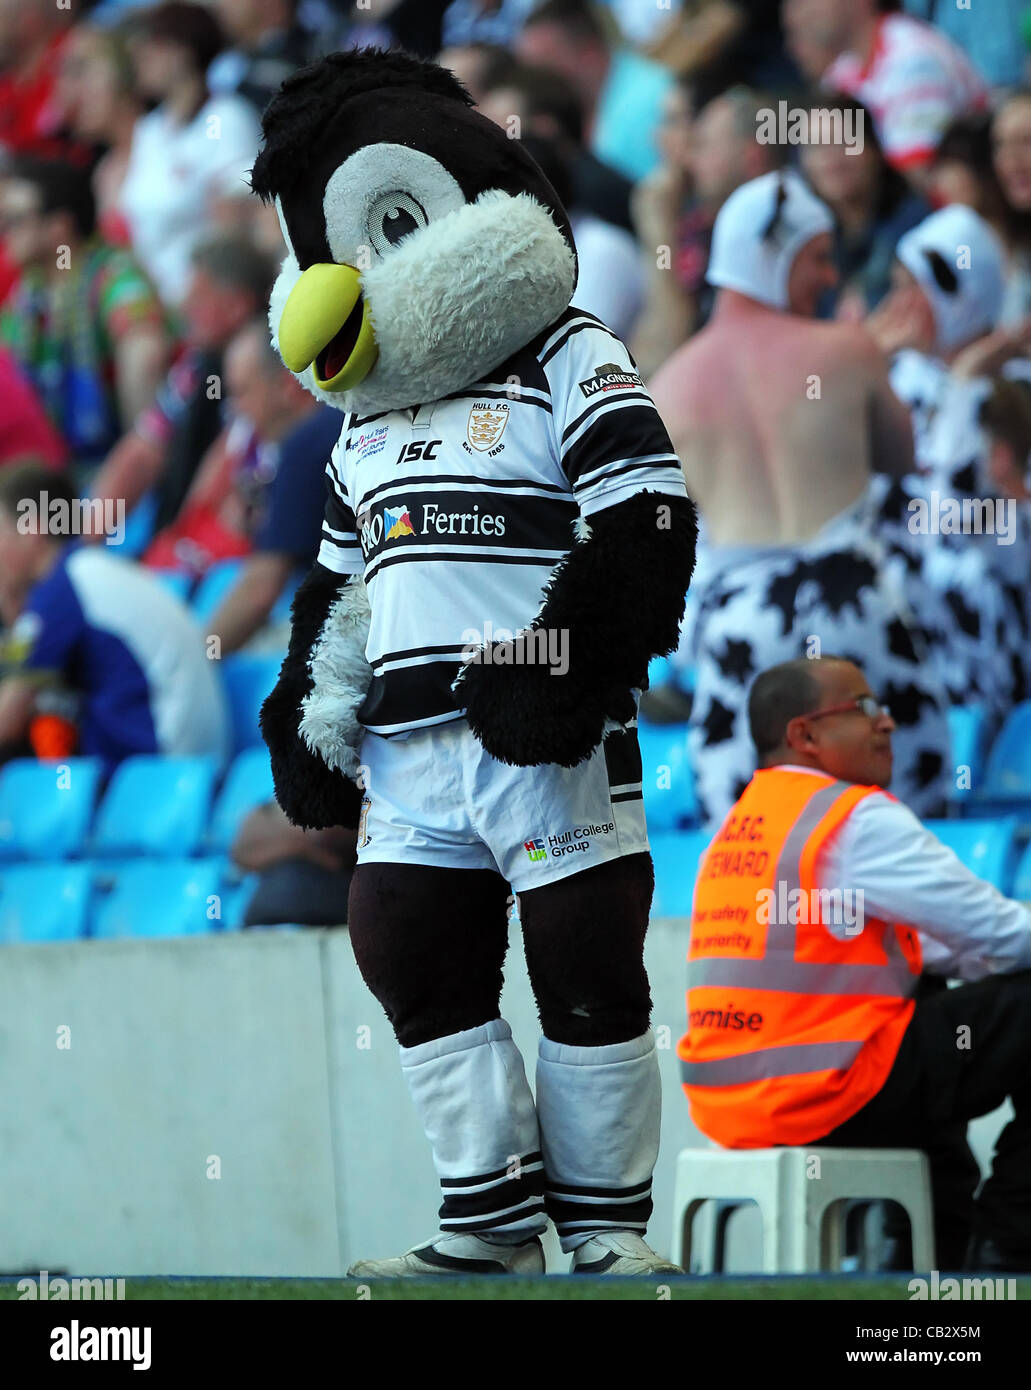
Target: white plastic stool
(802, 1194)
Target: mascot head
(424, 245)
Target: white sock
(471, 1093)
(598, 1109)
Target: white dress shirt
(968, 929)
(175, 174)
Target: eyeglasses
(865, 704)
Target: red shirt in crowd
(915, 82)
(30, 124)
(25, 431)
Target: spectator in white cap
(777, 419)
(760, 266)
(964, 571)
(957, 260)
(939, 325)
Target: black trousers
(964, 1052)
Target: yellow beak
(323, 305)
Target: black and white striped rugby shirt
(458, 511)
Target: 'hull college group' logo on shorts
(575, 841)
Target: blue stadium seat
(44, 902)
(175, 582)
(247, 680)
(167, 897)
(155, 805)
(281, 609)
(1022, 878)
(236, 894)
(676, 855)
(46, 807)
(139, 527)
(668, 781)
(663, 672)
(248, 783)
(213, 588)
(106, 872)
(967, 729)
(659, 672)
(986, 847)
(1008, 773)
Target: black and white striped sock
(598, 1109)
(471, 1093)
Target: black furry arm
(612, 604)
(313, 794)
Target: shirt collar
(795, 767)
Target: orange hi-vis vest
(791, 1030)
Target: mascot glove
(530, 714)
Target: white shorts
(435, 797)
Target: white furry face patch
(380, 195)
(451, 296)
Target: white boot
(619, 1252)
(456, 1254)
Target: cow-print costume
(754, 607)
(968, 591)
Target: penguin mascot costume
(507, 542)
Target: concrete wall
(258, 1057)
(182, 1053)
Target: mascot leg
(598, 1096)
(430, 944)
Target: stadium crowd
(135, 268)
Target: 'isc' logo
(426, 450)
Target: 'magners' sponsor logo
(610, 377)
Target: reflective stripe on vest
(778, 971)
(804, 977)
(771, 1061)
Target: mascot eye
(393, 217)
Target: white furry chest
(340, 680)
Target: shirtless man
(776, 419)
